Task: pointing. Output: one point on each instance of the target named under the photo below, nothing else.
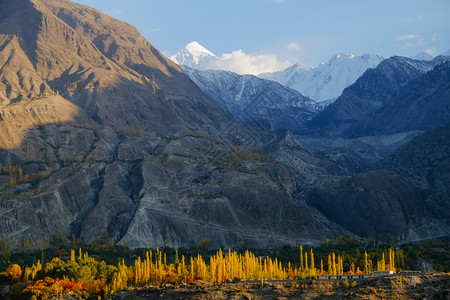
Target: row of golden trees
(85, 275)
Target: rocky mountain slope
(255, 100)
(96, 63)
(423, 157)
(421, 105)
(405, 195)
(378, 92)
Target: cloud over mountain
(196, 56)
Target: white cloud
(410, 40)
(407, 37)
(278, 1)
(241, 63)
(434, 37)
(294, 46)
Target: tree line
(84, 276)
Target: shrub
(15, 271)
(346, 283)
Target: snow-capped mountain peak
(422, 56)
(198, 50)
(193, 55)
(342, 55)
(328, 80)
(282, 77)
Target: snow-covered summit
(422, 56)
(198, 50)
(282, 77)
(328, 80)
(193, 55)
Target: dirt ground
(436, 287)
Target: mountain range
(326, 81)
(103, 139)
(264, 103)
(323, 83)
(399, 95)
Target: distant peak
(422, 56)
(343, 55)
(369, 56)
(197, 49)
(193, 55)
(294, 67)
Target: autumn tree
(333, 261)
(301, 257)
(306, 261)
(14, 271)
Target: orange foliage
(49, 280)
(37, 288)
(15, 271)
(96, 287)
(190, 280)
(71, 285)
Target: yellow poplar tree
(333, 261)
(330, 267)
(306, 260)
(301, 257)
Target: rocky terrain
(102, 65)
(399, 91)
(397, 287)
(258, 102)
(118, 140)
(102, 137)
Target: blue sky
(296, 31)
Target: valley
(106, 142)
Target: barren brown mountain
(98, 63)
